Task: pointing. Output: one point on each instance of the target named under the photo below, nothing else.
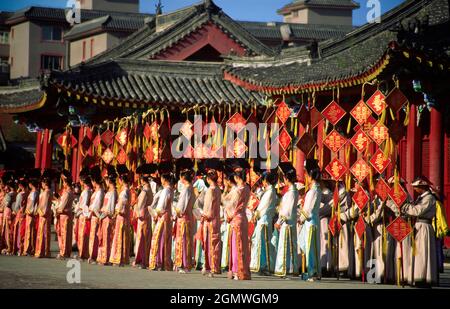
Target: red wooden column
(436, 144)
(47, 147)
(37, 160)
(413, 149)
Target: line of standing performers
(214, 221)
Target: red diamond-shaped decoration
(379, 161)
(186, 129)
(239, 148)
(334, 225)
(361, 112)
(335, 141)
(360, 198)
(147, 131)
(253, 177)
(316, 117)
(122, 157)
(237, 122)
(399, 229)
(360, 170)
(284, 139)
(122, 137)
(360, 141)
(333, 113)
(107, 156)
(396, 100)
(107, 137)
(66, 140)
(360, 227)
(283, 112)
(382, 189)
(284, 157)
(202, 152)
(398, 195)
(377, 102)
(148, 155)
(97, 140)
(253, 202)
(304, 116)
(379, 133)
(306, 143)
(370, 122)
(396, 131)
(336, 169)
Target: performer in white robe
(263, 252)
(424, 257)
(287, 258)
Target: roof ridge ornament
(158, 8)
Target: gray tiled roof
(320, 3)
(349, 56)
(161, 82)
(59, 15)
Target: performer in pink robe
(235, 209)
(211, 241)
(64, 218)
(120, 248)
(29, 241)
(83, 220)
(44, 211)
(107, 220)
(8, 217)
(2, 207)
(161, 247)
(94, 217)
(144, 227)
(184, 237)
(19, 222)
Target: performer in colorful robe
(263, 252)
(20, 217)
(95, 205)
(184, 237)
(235, 209)
(8, 217)
(310, 235)
(144, 225)
(83, 217)
(120, 248)
(31, 213)
(199, 255)
(64, 218)
(425, 270)
(228, 193)
(210, 226)
(2, 207)
(286, 262)
(44, 211)
(107, 214)
(161, 247)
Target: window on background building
(295, 14)
(12, 33)
(92, 48)
(4, 37)
(51, 33)
(51, 62)
(84, 51)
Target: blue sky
(252, 10)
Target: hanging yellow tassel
(349, 125)
(383, 117)
(392, 114)
(406, 122)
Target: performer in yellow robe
(64, 218)
(83, 218)
(45, 216)
(93, 215)
(30, 217)
(120, 248)
(144, 227)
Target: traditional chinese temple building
(373, 102)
